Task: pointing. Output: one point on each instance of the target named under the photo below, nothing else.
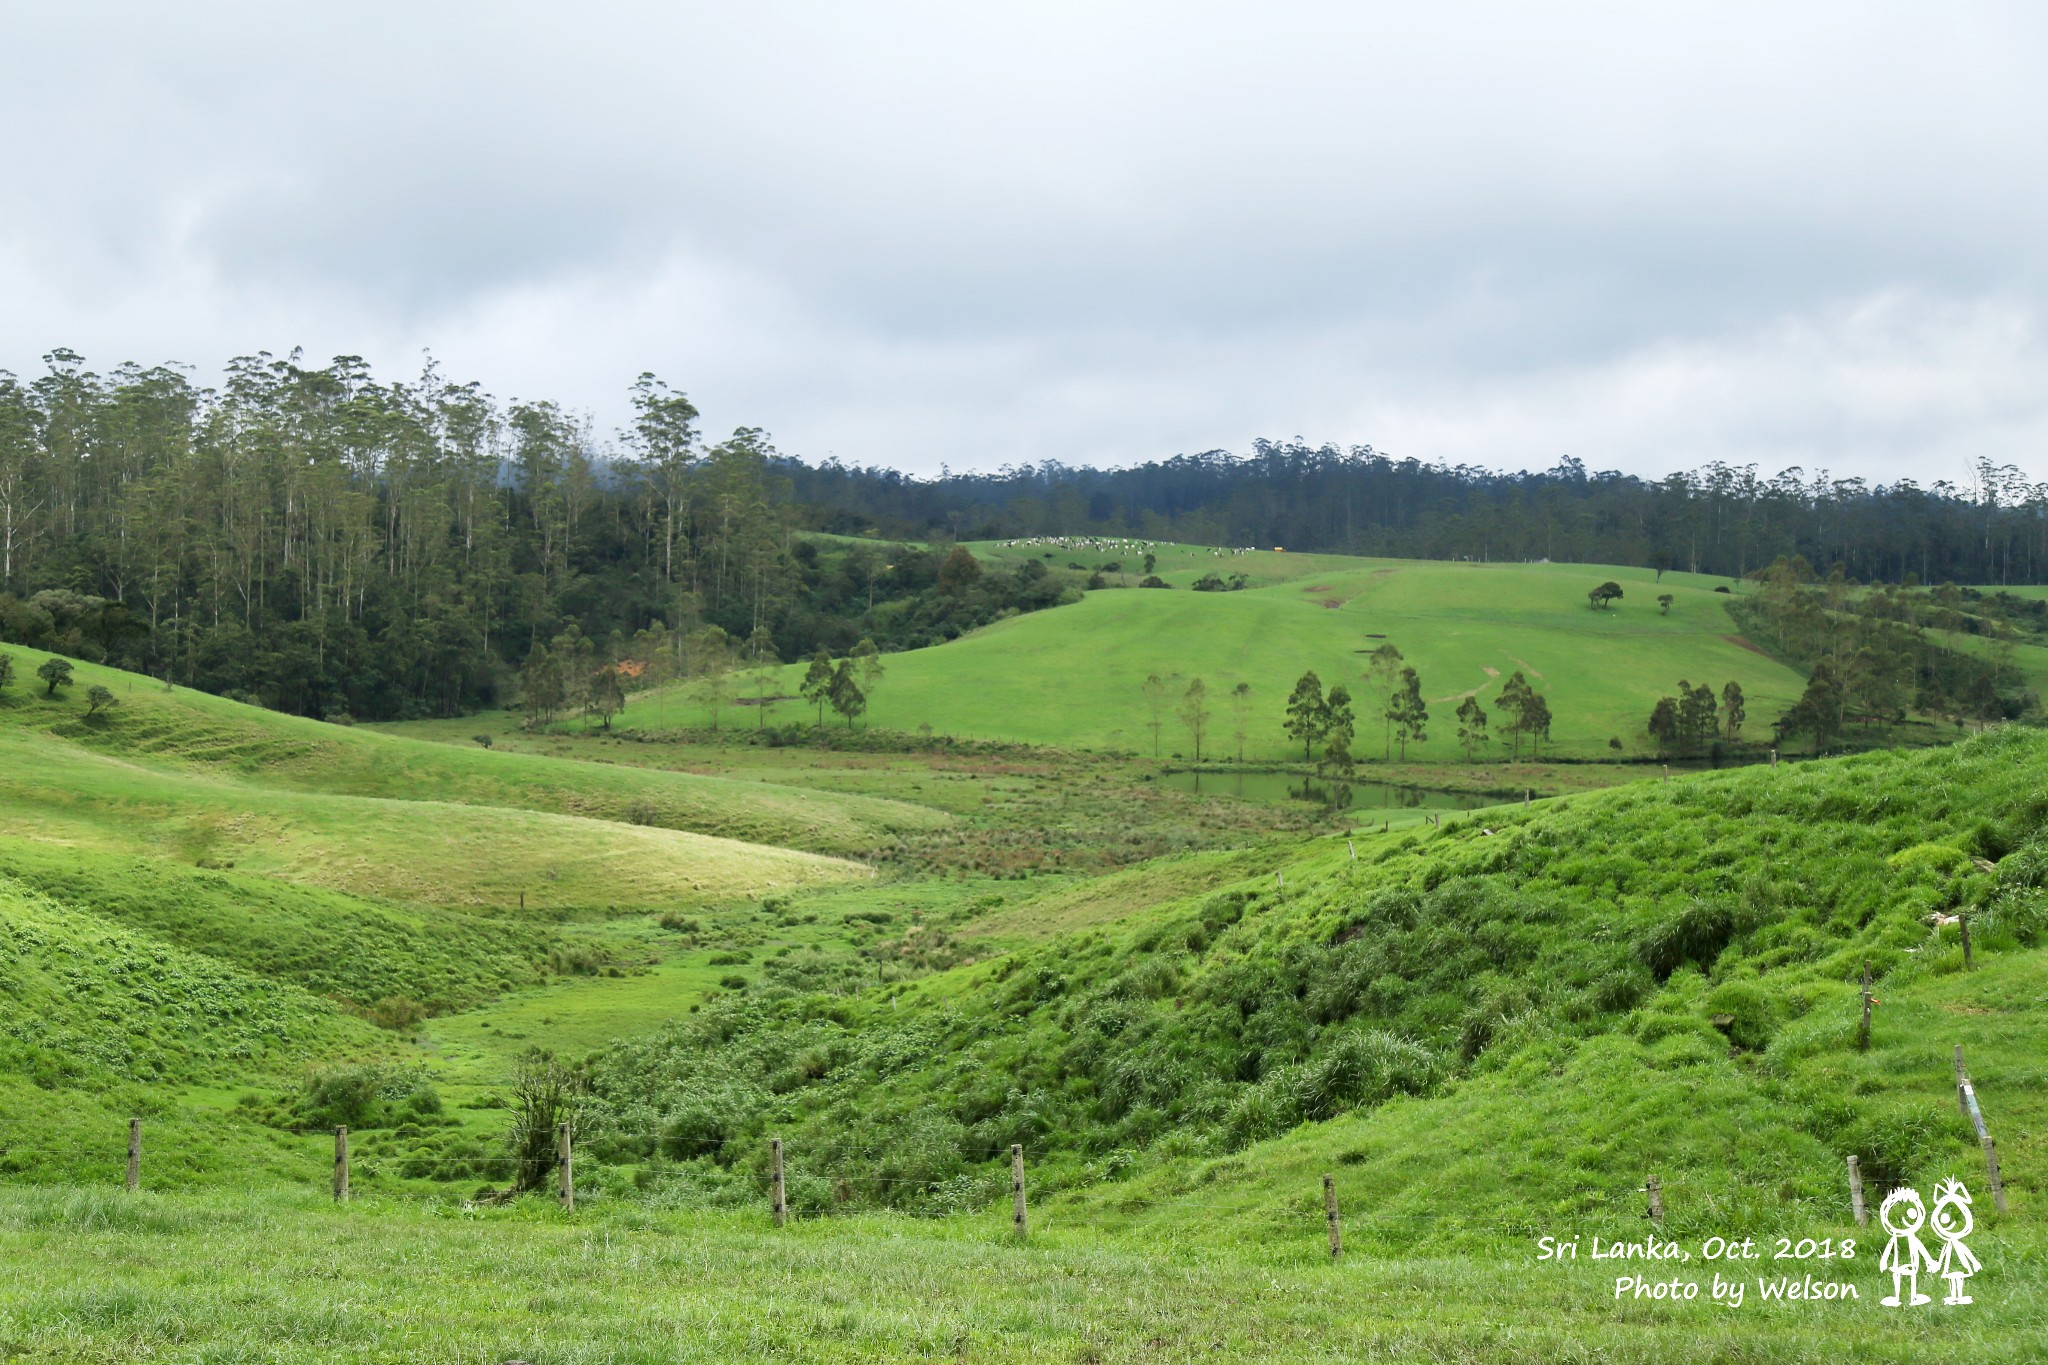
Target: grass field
(428, 852)
(94, 1277)
(1187, 1008)
(1072, 675)
(191, 734)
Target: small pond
(1354, 795)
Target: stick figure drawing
(1902, 1215)
(1952, 1223)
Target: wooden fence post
(1667, 772)
(1774, 757)
(1354, 849)
(1863, 1029)
(1330, 1217)
(1856, 1194)
(1991, 1169)
(1963, 927)
(1655, 1187)
(565, 1165)
(1017, 1222)
(1966, 1095)
(778, 1194)
(135, 1154)
(341, 1164)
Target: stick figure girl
(1904, 1255)
(1952, 1223)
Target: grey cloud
(921, 233)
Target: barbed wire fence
(840, 1179)
(846, 1177)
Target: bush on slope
(1726, 913)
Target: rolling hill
(192, 735)
(1073, 675)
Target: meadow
(282, 1279)
(1073, 676)
(902, 955)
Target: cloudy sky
(1645, 234)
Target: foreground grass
(96, 1276)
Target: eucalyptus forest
(335, 544)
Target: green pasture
(95, 1276)
(1073, 675)
(191, 733)
(426, 852)
(1188, 1009)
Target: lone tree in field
(98, 698)
(1699, 721)
(1338, 720)
(1471, 726)
(1384, 669)
(7, 672)
(1536, 719)
(1410, 713)
(1513, 704)
(1732, 714)
(1305, 712)
(867, 665)
(764, 672)
(712, 659)
(1664, 601)
(1818, 712)
(817, 684)
(845, 694)
(1337, 729)
(604, 694)
(1157, 694)
(541, 689)
(1607, 592)
(1241, 713)
(1194, 713)
(56, 673)
(1663, 724)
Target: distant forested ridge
(1718, 520)
(326, 542)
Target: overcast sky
(1645, 234)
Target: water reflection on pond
(1353, 795)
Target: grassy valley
(902, 953)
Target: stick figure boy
(1902, 1215)
(1952, 1223)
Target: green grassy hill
(1484, 1033)
(190, 734)
(100, 1021)
(1072, 675)
(1517, 1017)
